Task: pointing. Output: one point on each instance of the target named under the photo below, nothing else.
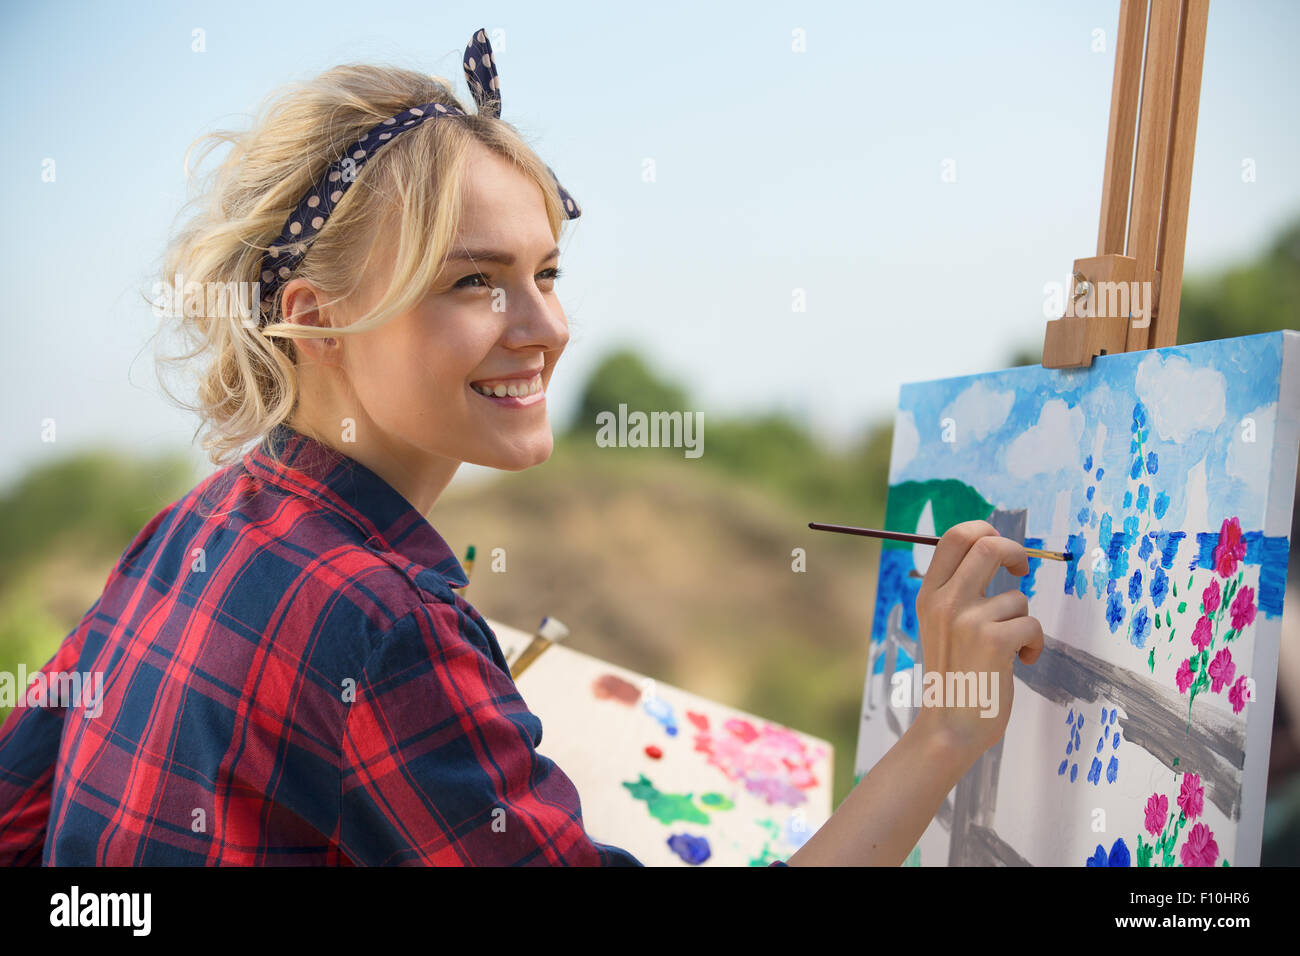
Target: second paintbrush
(925, 539)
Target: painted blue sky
(1024, 436)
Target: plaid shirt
(288, 677)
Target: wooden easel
(1102, 317)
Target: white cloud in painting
(1180, 399)
(1050, 445)
(1250, 449)
(1196, 515)
(906, 442)
(977, 412)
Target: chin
(521, 458)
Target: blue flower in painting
(1114, 610)
(1083, 515)
(1143, 492)
(1131, 529)
(1110, 586)
(1161, 504)
(1060, 771)
(1128, 498)
(1136, 469)
(1153, 463)
(1087, 463)
(1139, 414)
(1100, 472)
(1141, 624)
(1144, 549)
(1094, 772)
(1112, 769)
(1090, 492)
(1159, 586)
(1118, 856)
(1135, 585)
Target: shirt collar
(309, 467)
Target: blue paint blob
(1136, 469)
(1139, 414)
(1159, 586)
(1100, 741)
(1114, 743)
(1118, 854)
(1170, 549)
(1135, 585)
(693, 849)
(1114, 611)
(1090, 492)
(1087, 463)
(1141, 627)
(1153, 463)
(1143, 494)
(1100, 472)
(1069, 748)
(1074, 772)
(1128, 499)
(1080, 720)
(1112, 769)
(1145, 548)
(1082, 515)
(1161, 504)
(1069, 718)
(1099, 858)
(1103, 715)
(1094, 772)
(1130, 529)
(1060, 771)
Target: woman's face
(492, 323)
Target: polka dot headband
(285, 254)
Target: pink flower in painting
(1239, 694)
(1157, 811)
(1221, 670)
(1242, 611)
(1230, 548)
(1184, 676)
(1210, 597)
(1200, 848)
(1202, 633)
(1191, 798)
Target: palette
(673, 778)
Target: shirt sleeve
(440, 765)
(29, 752)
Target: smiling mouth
(516, 393)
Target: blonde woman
(289, 673)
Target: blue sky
(776, 171)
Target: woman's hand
(964, 632)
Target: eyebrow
(492, 255)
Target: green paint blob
(666, 807)
(716, 800)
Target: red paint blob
(653, 751)
(699, 720)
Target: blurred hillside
(679, 568)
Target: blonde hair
(247, 381)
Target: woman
(289, 676)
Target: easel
(1102, 317)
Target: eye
(466, 283)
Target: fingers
(987, 554)
(1006, 606)
(1022, 636)
(952, 548)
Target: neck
(420, 477)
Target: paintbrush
(550, 631)
(925, 539)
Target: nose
(535, 319)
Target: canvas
(1140, 737)
(671, 777)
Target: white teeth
(514, 389)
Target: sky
(776, 169)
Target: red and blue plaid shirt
(288, 677)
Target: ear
(301, 304)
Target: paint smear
(666, 807)
(773, 763)
(662, 711)
(716, 801)
(653, 752)
(693, 849)
(613, 687)
(700, 721)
